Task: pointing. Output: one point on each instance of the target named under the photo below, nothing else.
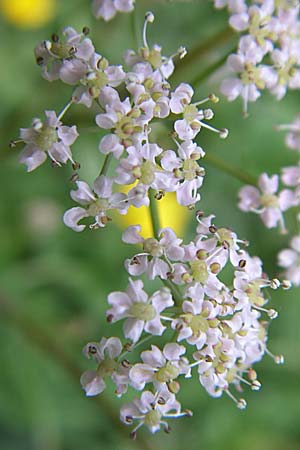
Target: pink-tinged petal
(184, 130)
(287, 258)
(291, 176)
(268, 185)
(72, 71)
(249, 197)
(51, 119)
(153, 357)
(173, 351)
(73, 216)
(111, 144)
(155, 327)
(113, 347)
(239, 22)
(138, 266)
(162, 299)
(133, 329)
(92, 383)
(140, 374)
(32, 157)
(157, 268)
(295, 243)
(187, 193)
(119, 299)
(106, 121)
(293, 274)
(67, 134)
(60, 153)
(231, 88)
(287, 199)
(135, 291)
(184, 333)
(131, 235)
(106, 9)
(271, 217)
(103, 186)
(84, 195)
(85, 50)
(236, 62)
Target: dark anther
(167, 429)
(76, 165)
(74, 177)
(242, 263)
(109, 318)
(213, 229)
(125, 363)
(40, 60)
(12, 144)
(55, 37)
(199, 213)
(86, 31)
(92, 349)
(225, 245)
(72, 50)
(133, 435)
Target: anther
(242, 263)
(125, 363)
(181, 52)
(272, 313)
(74, 177)
(76, 165)
(241, 403)
(279, 359)
(40, 60)
(212, 229)
(274, 283)
(286, 284)
(188, 413)
(85, 31)
(159, 194)
(213, 98)
(223, 133)
(252, 375)
(37, 124)
(55, 37)
(255, 385)
(109, 318)
(132, 434)
(167, 429)
(149, 17)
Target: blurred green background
(54, 282)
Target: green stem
(195, 54)
(210, 69)
(236, 172)
(154, 214)
(105, 164)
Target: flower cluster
(268, 54)
(218, 330)
(270, 205)
(205, 325)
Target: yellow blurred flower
(171, 214)
(28, 13)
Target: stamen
(278, 359)
(65, 109)
(149, 18)
(272, 313)
(240, 403)
(223, 132)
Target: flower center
(152, 246)
(143, 311)
(100, 205)
(107, 367)
(152, 418)
(46, 137)
(199, 271)
(269, 201)
(167, 373)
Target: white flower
(289, 259)
(107, 9)
(142, 313)
(48, 137)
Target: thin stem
(235, 172)
(65, 109)
(195, 54)
(154, 214)
(210, 69)
(105, 164)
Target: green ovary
(167, 373)
(107, 367)
(152, 418)
(142, 311)
(46, 138)
(269, 201)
